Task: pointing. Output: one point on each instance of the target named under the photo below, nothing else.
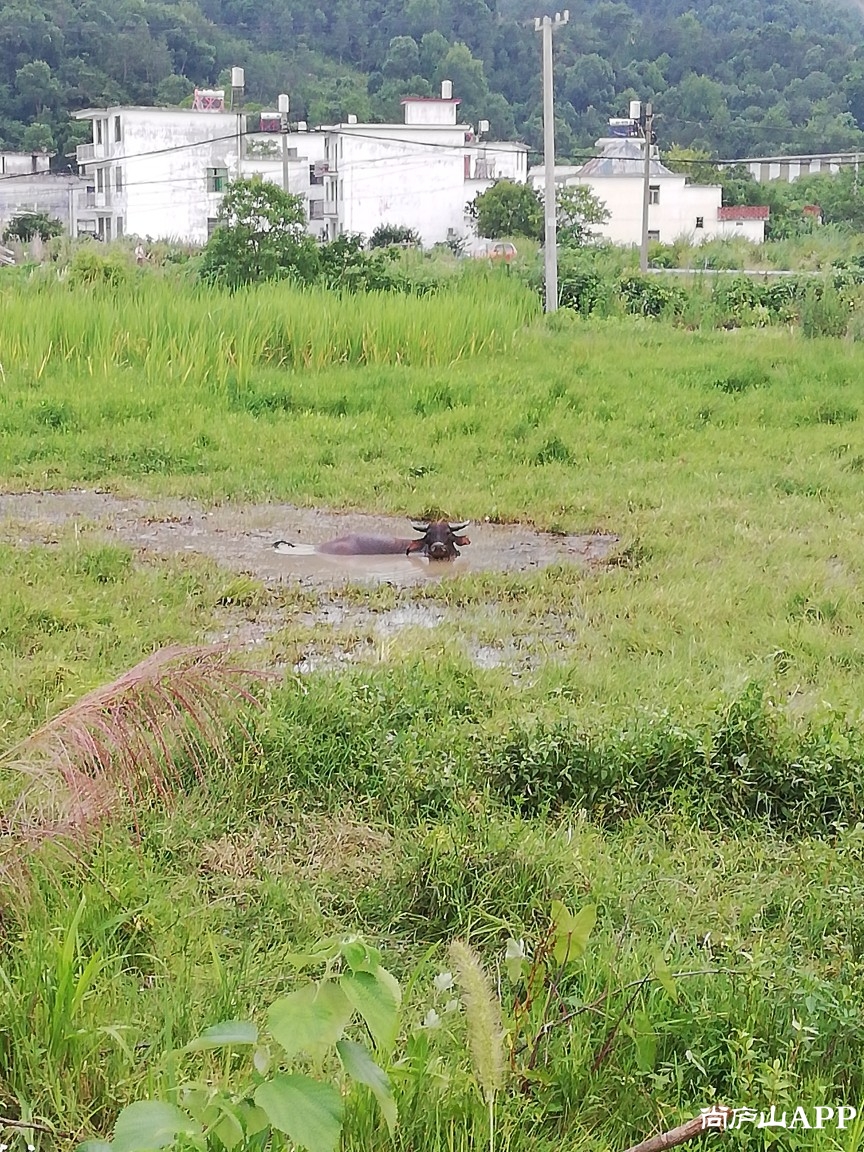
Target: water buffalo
(438, 541)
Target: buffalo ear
(424, 528)
(415, 546)
(462, 540)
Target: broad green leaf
(311, 1019)
(571, 932)
(359, 1064)
(261, 1060)
(324, 951)
(196, 1100)
(229, 1130)
(308, 1111)
(359, 956)
(665, 977)
(645, 1040)
(223, 1034)
(253, 1118)
(376, 997)
(150, 1124)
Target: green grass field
(684, 750)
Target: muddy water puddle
(240, 539)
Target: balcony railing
(84, 153)
(331, 208)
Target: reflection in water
(392, 569)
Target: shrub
(24, 226)
(394, 235)
(90, 266)
(644, 296)
(823, 312)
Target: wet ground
(240, 538)
(340, 629)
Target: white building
(745, 221)
(28, 185)
(161, 172)
(420, 174)
(676, 209)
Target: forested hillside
(744, 77)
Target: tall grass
(178, 332)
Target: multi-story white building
(420, 174)
(27, 184)
(161, 172)
(676, 209)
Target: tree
(25, 225)
(261, 235)
(508, 209)
(577, 209)
(695, 163)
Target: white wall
(164, 156)
(45, 193)
(751, 230)
(166, 192)
(675, 215)
(384, 176)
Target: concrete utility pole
(283, 115)
(648, 133)
(546, 24)
(238, 83)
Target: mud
(241, 537)
(340, 630)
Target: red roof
(744, 212)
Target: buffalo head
(438, 540)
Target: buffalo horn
(459, 527)
(419, 527)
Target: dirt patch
(241, 538)
(336, 628)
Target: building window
(100, 179)
(316, 174)
(653, 193)
(217, 179)
(700, 221)
(211, 225)
(118, 178)
(98, 124)
(118, 131)
(119, 225)
(654, 236)
(316, 209)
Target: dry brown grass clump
(135, 738)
